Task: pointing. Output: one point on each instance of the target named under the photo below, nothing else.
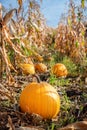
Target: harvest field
(43, 70)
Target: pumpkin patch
(43, 63)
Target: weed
(53, 80)
(66, 109)
(71, 67)
(5, 103)
(51, 127)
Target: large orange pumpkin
(40, 98)
(59, 70)
(27, 68)
(40, 67)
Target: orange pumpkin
(59, 70)
(40, 67)
(27, 68)
(40, 98)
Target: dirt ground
(11, 117)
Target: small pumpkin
(40, 67)
(27, 68)
(59, 70)
(40, 98)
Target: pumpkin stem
(37, 77)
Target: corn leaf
(77, 43)
(69, 22)
(8, 16)
(83, 3)
(7, 60)
(11, 44)
(20, 5)
(0, 11)
(20, 2)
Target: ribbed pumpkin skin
(40, 67)
(59, 70)
(28, 68)
(40, 98)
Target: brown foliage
(82, 125)
(68, 42)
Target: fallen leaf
(81, 125)
(29, 128)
